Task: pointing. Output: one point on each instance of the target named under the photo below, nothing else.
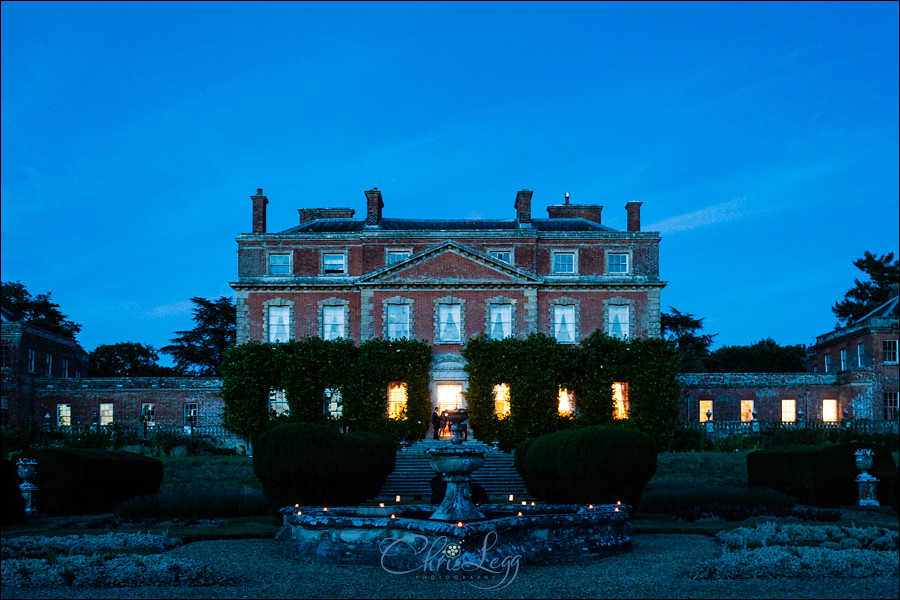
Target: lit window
(860, 355)
(706, 412)
(333, 405)
(890, 351)
(190, 414)
(148, 413)
(843, 359)
(449, 322)
(501, 400)
(564, 324)
(618, 264)
(618, 321)
(279, 329)
(746, 410)
(278, 404)
(620, 396)
(48, 365)
(891, 400)
(566, 402)
(829, 411)
(334, 264)
(63, 415)
(397, 401)
(501, 321)
(106, 414)
(564, 262)
(279, 264)
(332, 322)
(828, 362)
(788, 411)
(398, 321)
(395, 256)
(502, 255)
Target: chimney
(374, 204)
(259, 211)
(311, 214)
(634, 215)
(523, 208)
(591, 212)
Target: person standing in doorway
(436, 423)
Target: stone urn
(27, 468)
(867, 484)
(864, 460)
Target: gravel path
(660, 566)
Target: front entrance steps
(413, 473)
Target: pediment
(449, 262)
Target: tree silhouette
(201, 350)
(865, 296)
(38, 311)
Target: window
(397, 321)
(5, 357)
(278, 322)
(333, 322)
(502, 255)
(106, 414)
(618, 321)
(617, 264)
(148, 414)
(829, 411)
(397, 401)
(334, 264)
(65, 367)
(278, 404)
(564, 323)
(788, 411)
(501, 321)
(890, 351)
(706, 412)
(279, 264)
(190, 414)
(48, 365)
(566, 402)
(333, 405)
(64, 415)
(828, 362)
(746, 410)
(31, 360)
(449, 323)
(4, 411)
(890, 405)
(620, 396)
(395, 256)
(501, 400)
(843, 359)
(860, 355)
(564, 263)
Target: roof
(891, 308)
(351, 225)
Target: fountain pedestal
(457, 462)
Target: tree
(865, 296)
(201, 350)
(38, 311)
(765, 356)
(692, 347)
(127, 359)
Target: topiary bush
(823, 475)
(315, 465)
(78, 481)
(600, 465)
(13, 504)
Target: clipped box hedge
(822, 475)
(80, 481)
(598, 465)
(315, 465)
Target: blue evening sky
(762, 139)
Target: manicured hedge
(13, 503)
(315, 465)
(823, 475)
(78, 481)
(599, 465)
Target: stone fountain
(457, 464)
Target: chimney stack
(374, 204)
(634, 215)
(259, 211)
(523, 208)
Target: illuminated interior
(788, 411)
(397, 400)
(746, 410)
(829, 411)
(705, 407)
(501, 400)
(566, 402)
(620, 396)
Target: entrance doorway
(449, 396)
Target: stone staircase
(412, 474)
